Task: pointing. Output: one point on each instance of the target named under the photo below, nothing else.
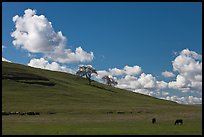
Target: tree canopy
(86, 70)
(109, 80)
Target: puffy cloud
(102, 73)
(35, 34)
(127, 70)
(67, 56)
(161, 84)
(189, 66)
(164, 93)
(3, 59)
(168, 74)
(192, 54)
(145, 83)
(135, 70)
(129, 83)
(116, 72)
(184, 100)
(44, 64)
(181, 83)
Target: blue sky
(119, 34)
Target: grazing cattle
(153, 120)
(5, 113)
(121, 112)
(37, 113)
(12, 113)
(178, 121)
(51, 113)
(30, 113)
(22, 113)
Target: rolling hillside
(68, 105)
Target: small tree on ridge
(109, 81)
(86, 70)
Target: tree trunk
(88, 76)
(89, 81)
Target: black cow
(121, 112)
(37, 113)
(153, 120)
(178, 121)
(30, 113)
(5, 113)
(22, 113)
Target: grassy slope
(82, 109)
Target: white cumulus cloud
(168, 74)
(44, 64)
(67, 56)
(189, 66)
(35, 34)
(135, 70)
(127, 70)
(3, 59)
(145, 83)
(184, 100)
(116, 72)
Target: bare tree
(86, 71)
(109, 81)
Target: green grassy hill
(85, 109)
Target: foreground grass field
(82, 109)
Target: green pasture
(81, 109)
